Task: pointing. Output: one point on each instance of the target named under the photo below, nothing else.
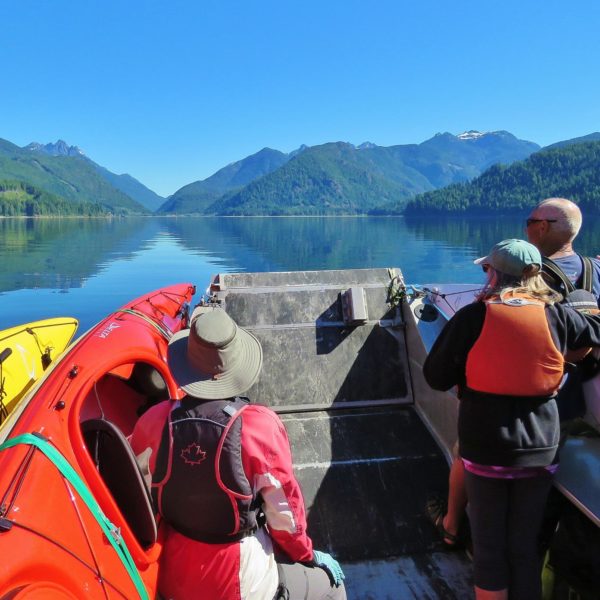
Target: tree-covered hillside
(445, 158)
(131, 187)
(18, 199)
(126, 183)
(198, 196)
(330, 179)
(71, 178)
(339, 178)
(571, 171)
(590, 137)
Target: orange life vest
(515, 354)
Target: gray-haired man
(552, 226)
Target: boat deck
(366, 460)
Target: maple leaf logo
(193, 454)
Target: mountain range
(200, 195)
(569, 169)
(72, 178)
(328, 179)
(125, 183)
(340, 178)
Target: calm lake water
(86, 268)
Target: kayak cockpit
(107, 416)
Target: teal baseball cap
(511, 257)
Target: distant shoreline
(194, 216)
(436, 215)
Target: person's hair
(531, 283)
(566, 213)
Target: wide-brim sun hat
(511, 257)
(214, 359)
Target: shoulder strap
(552, 270)
(112, 532)
(586, 278)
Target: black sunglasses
(485, 268)
(529, 221)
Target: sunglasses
(485, 268)
(529, 221)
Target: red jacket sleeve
(267, 460)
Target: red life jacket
(199, 484)
(515, 354)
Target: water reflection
(63, 253)
(88, 267)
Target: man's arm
(573, 329)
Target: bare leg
(490, 595)
(457, 497)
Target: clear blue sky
(171, 91)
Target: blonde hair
(531, 283)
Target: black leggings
(505, 517)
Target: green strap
(586, 275)
(583, 283)
(112, 533)
(557, 274)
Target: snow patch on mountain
(472, 134)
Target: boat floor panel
(435, 576)
(366, 476)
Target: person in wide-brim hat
(215, 358)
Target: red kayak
(76, 518)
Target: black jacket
(504, 430)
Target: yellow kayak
(26, 351)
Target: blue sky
(171, 91)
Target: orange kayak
(75, 515)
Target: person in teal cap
(552, 226)
(505, 353)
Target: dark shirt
(500, 429)
(572, 266)
(570, 399)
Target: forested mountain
(571, 171)
(446, 173)
(339, 178)
(71, 178)
(330, 179)
(198, 196)
(591, 137)
(132, 187)
(18, 199)
(447, 158)
(126, 183)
